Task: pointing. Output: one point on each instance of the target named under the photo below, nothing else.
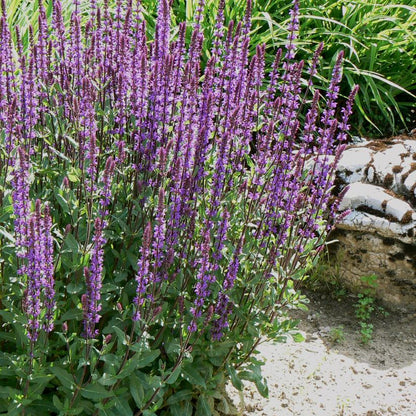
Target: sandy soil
(321, 377)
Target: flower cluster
(40, 291)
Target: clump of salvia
(157, 204)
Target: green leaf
(62, 202)
(203, 408)
(7, 392)
(71, 315)
(73, 175)
(38, 383)
(181, 409)
(96, 392)
(191, 374)
(57, 403)
(136, 390)
(64, 377)
(263, 389)
(174, 375)
(138, 361)
(180, 396)
(254, 374)
(108, 379)
(7, 316)
(74, 288)
(120, 334)
(7, 235)
(235, 380)
(297, 337)
(120, 407)
(71, 243)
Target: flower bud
(65, 183)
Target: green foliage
(336, 335)
(364, 307)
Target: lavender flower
(105, 192)
(34, 284)
(144, 275)
(93, 278)
(49, 281)
(21, 201)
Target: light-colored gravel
(320, 378)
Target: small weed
(364, 307)
(336, 335)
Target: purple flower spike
(93, 279)
(21, 202)
(144, 276)
(49, 281)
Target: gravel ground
(321, 377)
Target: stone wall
(377, 236)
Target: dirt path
(320, 377)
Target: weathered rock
(377, 236)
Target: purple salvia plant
(144, 275)
(21, 201)
(204, 142)
(39, 294)
(93, 276)
(159, 236)
(49, 280)
(32, 301)
(204, 280)
(223, 307)
(105, 191)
